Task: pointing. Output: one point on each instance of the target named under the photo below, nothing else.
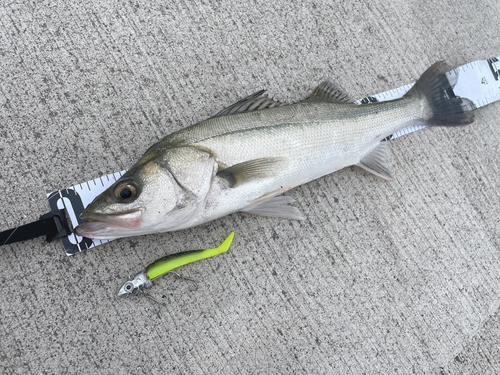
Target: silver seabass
(249, 153)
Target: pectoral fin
(377, 162)
(275, 207)
(252, 170)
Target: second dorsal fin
(329, 91)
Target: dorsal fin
(329, 91)
(254, 102)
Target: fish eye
(127, 191)
(128, 287)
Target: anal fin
(377, 162)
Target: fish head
(162, 192)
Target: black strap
(53, 224)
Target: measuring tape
(478, 81)
(74, 200)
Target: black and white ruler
(73, 200)
(478, 81)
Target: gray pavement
(400, 277)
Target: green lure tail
(163, 265)
(170, 262)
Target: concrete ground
(400, 277)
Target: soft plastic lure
(166, 264)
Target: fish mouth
(108, 226)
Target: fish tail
(443, 107)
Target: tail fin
(444, 108)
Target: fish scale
(328, 131)
(256, 149)
(329, 146)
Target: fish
(247, 155)
(143, 279)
